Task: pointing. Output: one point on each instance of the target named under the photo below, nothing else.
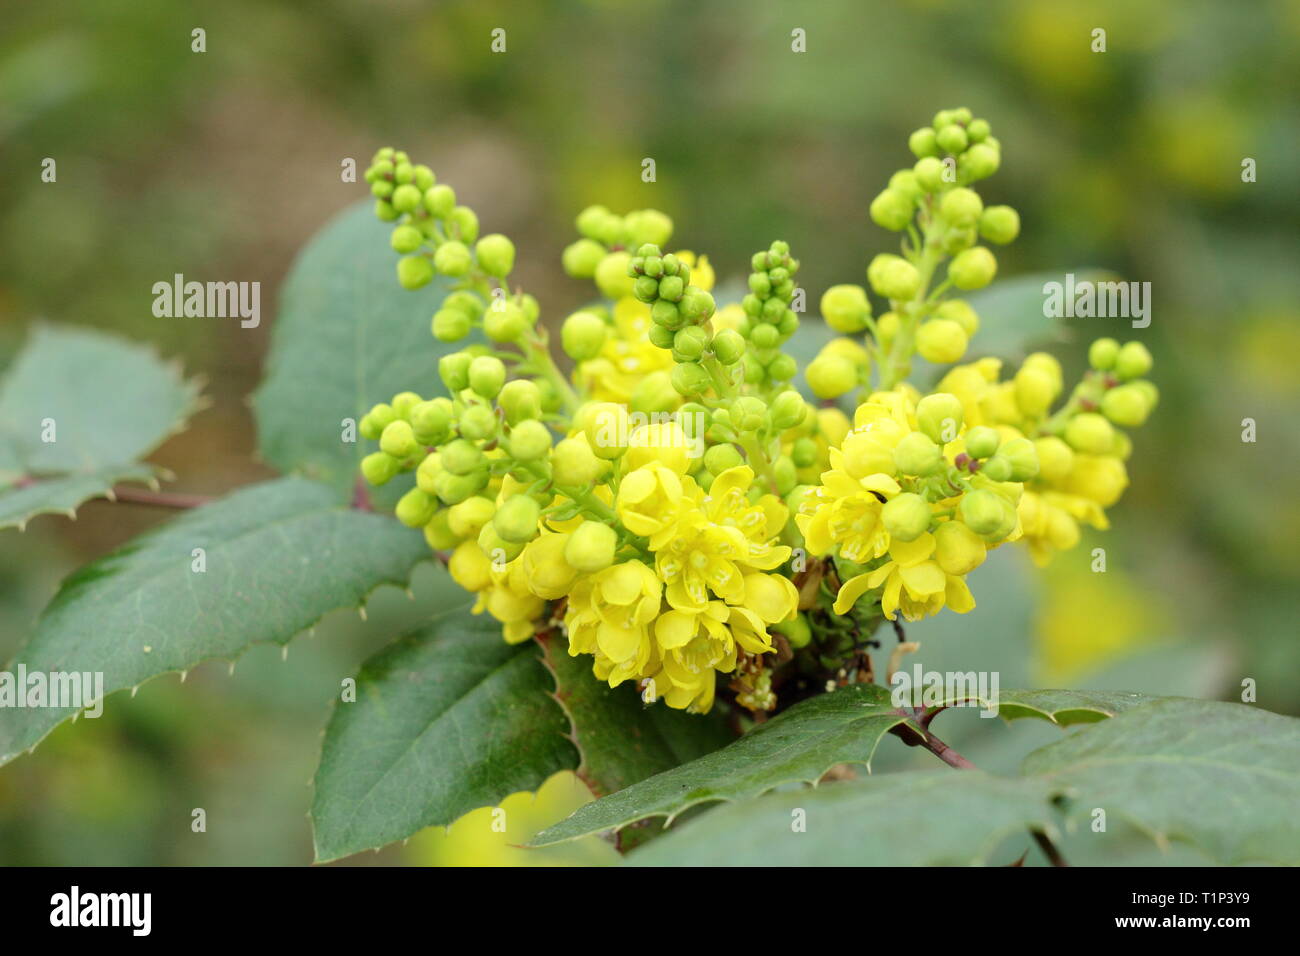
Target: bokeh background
(220, 165)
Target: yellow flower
(727, 503)
(651, 499)
(508, 599)
(664, 443)
(696, 646)
(609, 615)
(626, 358)
(912, 581)
(869, 448)
(702, 275)
(845, 512)
(548, 575)
(971, 384)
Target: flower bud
(940, 417)
(581, 258)
(440, 200)
(612, 278)
(1126, 405)
(438, 534)
(958, 549)
(415, 508)
(923, 143)
(894, 277)
(1102, 354)
(1133, 361)
(696, 304)
(655, 393)
(384, 211)
(606, 427)
(517, 519)
(982, 441)
(406, 239)
(1098, 477)
(721, 457)
(452, 258)
(530, 440)
(961, 312)
(961, 206)
(379, 468)
(463, 224)
(996, 468)
(450, 325)
(789, 410)
(431, 421)
(1022, 455)
(1035, 391)
(917, 454)
(648, 226)
(588, 222)
(748, 414)
(427, 473)
(886, 330)
(492, 544)
(477, 423)
(505, 322)
(380, 416)
(460, 457)
(830, 376)
(1090, 433)
(574, 465)
(487, 374)
(414, 272)
(1055, 458)
(942, 341)
(495, 254)
(973, 269)
(980, 161)
(689, 343)
(728, 346)
(398, 440)
(846, 308)
(689, 379)
(952, 139)
(470, 567)
(583, 335)
(929, 173)
(453, 369)
(906, 516)
(782, 368)
(892, 209)
(591, 547)
(796, 631)
(466, 519)
(987, 513)
(520, 400)
(405, 198)
(1000, 224)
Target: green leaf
(1061, 707)
(622, 741)
(916, 818)
(346, 337)
(446, 720)
(798, 746)
(1224, 777)
(105, 401)
(1012, 322)
(278, 556)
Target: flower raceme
(673, 505)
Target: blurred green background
(220, 165)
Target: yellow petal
(850, 591)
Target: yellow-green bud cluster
(680, 313)
(769, 319)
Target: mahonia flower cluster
(674, 505)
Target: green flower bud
(721, 457)
(690, 343)
(973, 269)
(487, 374)
(591, 547)
(696, 305)
(415, 509)
(982, 441)
(403, 173)
(450, 325)
(477, 423)
(495, 254)
(574, 465)
(655, 393)
(961, 206)
(403, 402)
(940, 417)
(440, 201)
(905, 182)
(413, 272)
(797, 632)
(765, 336)
(431, 421)
(952, 139)
(1000, 224)
(380, 416)
(1126, 405)
(463, 224)
(997, 468)
(906, 516)
(1022, 455)
(405, 198)
(1133, 361)
(786, 475)
(804, 453)
(379, 468)
(923, 143)
(671, 288)
(782, 368)
(666, 314)
(690, 380)
(892, 209)
(493, 545)
(452, 258)
(453, 369)
(846, 308)
(645, 288)
(929, 173)
(648, 226)
(520, 400)
(517, 518)
(382, 189)
(728, 346)
(460, 457)
(789, 410)
(606, 427)
(427, 473)
(424, 178)
(748, 414)
(581, 258)
(530, 440)
(406, 239)
(1090, 433)
(977, 130)
(612, 278)
(660, 336)
(986, 513)
(466, 520)
(384, 211)
(583, 335)
(894, 277)
(505, 322)
(917, 454)
(941, 341)
(830, 376)
(980, 161)
(1102, 354)
(398, 440)
(590, 219)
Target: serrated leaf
(278, 557)
(798, 746)
(446, 720)
(1225, 777)
(1061, 707)
(622, 740)
(914, 818)
(108, 402)
(346, 336)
